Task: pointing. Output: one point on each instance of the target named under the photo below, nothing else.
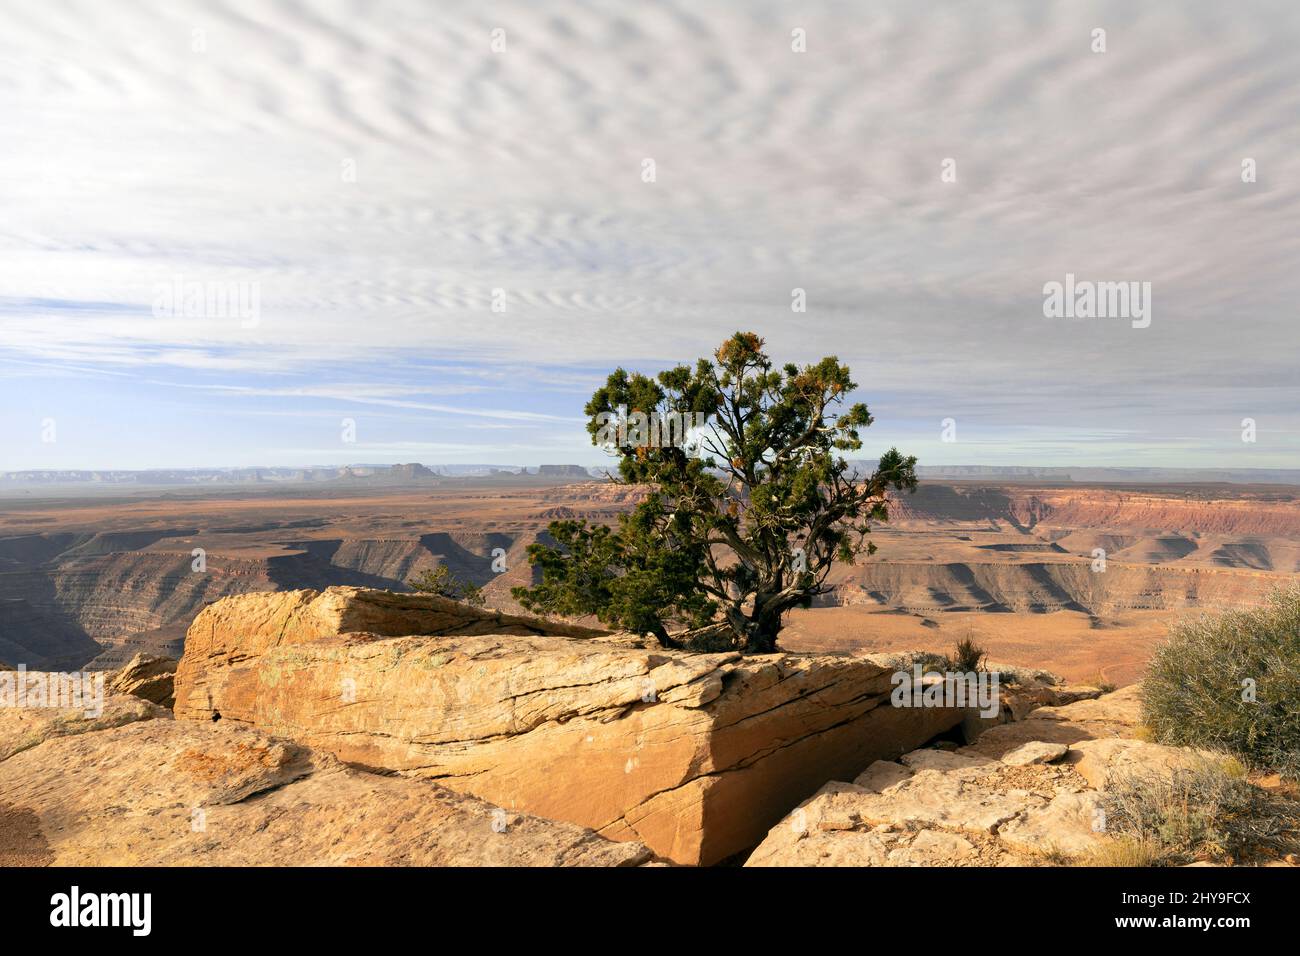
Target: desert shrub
(1232, 682)
(1122, 851)
(967, 656)
(1209, 811)
(1099, 681)
(934, 663)
(442, 582)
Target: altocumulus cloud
(378, 170)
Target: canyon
(91, 580)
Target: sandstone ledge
(237, 629)
(148, 677)
(163, 793)
(694, 755)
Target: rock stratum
(103, 577)
(360, 727)
(695, 755)
(137, 788)
(1023, 793)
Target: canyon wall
(1214, 510)
(1036, 587)
(89, 581)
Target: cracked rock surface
(1024, 790)
(144, 790)
(695, 755)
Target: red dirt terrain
(97, 578)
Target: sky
(427, 231)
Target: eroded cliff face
(1035, 587)
(66, 600)
(89, 582)
(1198, 511)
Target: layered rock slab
(22, 728)
(148, 677)
(694, 755)
(164, 792)
(1025, 792)
(1114, 715)
(236, 629)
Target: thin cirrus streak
(204, 142)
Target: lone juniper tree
(742, 518)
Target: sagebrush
(1209, 811)
(444, 583)
(1232, 682)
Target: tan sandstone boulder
(1107, 761)
(950, 810)
(1069, 825)
(164, 793)
(695, 755)
(236, 630)
(881, 775)
(1035, 751)
(1113, 715)
(1119, 710)
(147, 677)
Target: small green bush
(967, 656)
(1206, 812)
(1232, 682)
(441, 581)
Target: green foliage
(626, 577)
(743, 522)
(1206, 812)
(967, 656)
(442, 582)
(1232, 682)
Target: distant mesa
(392, 474)
(1096, 475)
(406, 473)
(415, 472)
(411, 471)
(563, 471)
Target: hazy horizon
(368, 181)
(954, 472)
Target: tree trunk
(710, 639)
(665, 639)
(761, 631)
